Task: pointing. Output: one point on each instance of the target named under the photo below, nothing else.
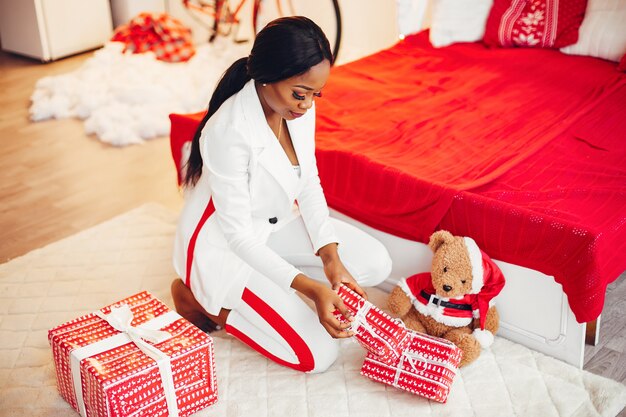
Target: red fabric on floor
(167, 37)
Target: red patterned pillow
(534, 23)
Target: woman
(242, 244)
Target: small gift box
(374, 329)
(426, 367)
(135, 357)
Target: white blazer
(250, 180)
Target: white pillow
(458, 21)
(603, 31)
(411, 15)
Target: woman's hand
(326, 302)
(335, 270)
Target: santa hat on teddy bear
(487, 282)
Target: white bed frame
(533, 308)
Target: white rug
(132, 252)
(126, 98)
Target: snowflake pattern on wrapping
(419, 363)
(375, 330)
(427, 367)
(124, 381)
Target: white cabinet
(51, 29)
(124, 10)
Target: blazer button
(273, 220)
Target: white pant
(281, 325)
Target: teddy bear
(455, 299)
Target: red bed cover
(522, 149)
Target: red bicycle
(222, 17)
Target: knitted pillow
(534, 23)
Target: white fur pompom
(484, 337)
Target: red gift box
(105, 367)
(374, 329)
(427, 367)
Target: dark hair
(286, 47)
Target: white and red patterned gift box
(374, 329)
(105, 367)
(427, 367)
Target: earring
(264, 85)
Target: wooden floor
(56, 181)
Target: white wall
(413, 15)
(368, 27)
(124, 10)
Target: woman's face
(293, 97)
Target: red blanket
(562, 211)
(521, 149)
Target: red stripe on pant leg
(210, 209)
(299, 346)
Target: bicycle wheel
(204, 13)
(325, 13)
(214, 15)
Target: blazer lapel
(275, 161)
(272, 156)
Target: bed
(521, 149)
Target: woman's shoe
(189, 308)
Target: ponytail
(286, 47)
(233, 80)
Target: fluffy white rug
(132, 252)
(126, 98)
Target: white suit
(241, 257)
(250, 179)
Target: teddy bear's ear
(439, 238)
